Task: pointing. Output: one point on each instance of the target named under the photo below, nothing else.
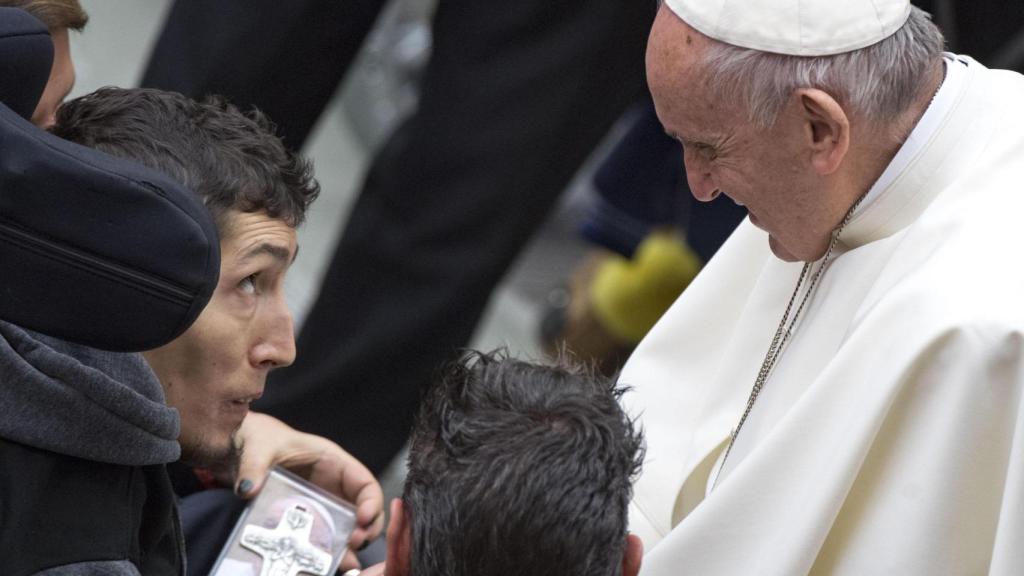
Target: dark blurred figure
(649, 238)
(514, 98)
(991, 31)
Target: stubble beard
(222, 461)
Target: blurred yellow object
(629, 295)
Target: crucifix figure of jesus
(286, 550)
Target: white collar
(941, 104)
(928, 160)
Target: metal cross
(286, 550)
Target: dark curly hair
(232, 160)
(517, 468)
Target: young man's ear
(399, 540)
(826, 129)
(632, 555)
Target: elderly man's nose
(698, 176)
(702, 186)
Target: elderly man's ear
(400, 546)
(825, 129)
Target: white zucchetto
(795, 27)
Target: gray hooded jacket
(65, 407)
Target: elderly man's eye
(248, 285)
(707, 151)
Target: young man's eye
(248, 285)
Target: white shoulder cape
(890, 437)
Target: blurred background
(379, 90)
(382, 87)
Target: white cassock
(890, 437)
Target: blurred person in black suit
(514, 98)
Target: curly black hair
(232, 160)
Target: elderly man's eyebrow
(681, 139)
(692, 142)
(276, 251)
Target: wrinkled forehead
(674, 52)
(675, 72)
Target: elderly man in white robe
(840, 390)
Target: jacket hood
(82, 402)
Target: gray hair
(879, 82)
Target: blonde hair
(55, 14)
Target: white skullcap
(796, 27)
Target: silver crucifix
(286, 550)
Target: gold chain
(783, 332)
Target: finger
(253, 466)
(375, 570)
(328, 472)
(358, 540)
(340, 473)
(362, 488)
(349, 561)
(370, 514)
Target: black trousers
(515, 96)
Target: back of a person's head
(55, 14)
(518, 468)
(233, 160)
